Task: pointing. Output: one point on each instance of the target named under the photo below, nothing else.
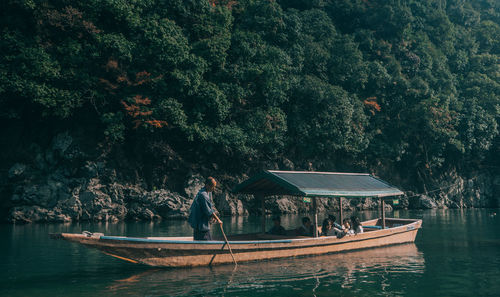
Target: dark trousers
(201, 235)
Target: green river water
(456, 253)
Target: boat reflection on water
(343, 270)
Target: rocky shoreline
(61, 184)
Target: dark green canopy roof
(320, 184)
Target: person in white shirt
(356, 227)
(346, 228)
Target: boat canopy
(316, 184)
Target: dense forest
(155, 89)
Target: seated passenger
(346, 227)
(306, 229)
(326, 228)
(356, 225)
(337, 229)
(277, 229)
(335, 224)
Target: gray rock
(141, 213)
(287, 164)
(459, 192)
(368, 203)
(112, 213)
(168, 204)
(17, 170)
(97, 204)
(125, 193)
(285, 205)
(35, 214)
(193, 185)
(240, 208)
(62, 142)
(72, 207)
(39, 162)
(36, 195)
(50, 159)
(91, 169)
(426, 202)
(228, 205)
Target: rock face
(229, 205)
(193, 184)
(93, 201)
(422, 202)
(61, 184)
(454, 191)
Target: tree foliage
(415, 83)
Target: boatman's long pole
(227, 242)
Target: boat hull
(184, 252)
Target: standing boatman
(202, 212)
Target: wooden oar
(227, 242)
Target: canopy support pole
(263, 209)
(315, 206)
(341, 213)
(382, 209)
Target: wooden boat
(185, 252)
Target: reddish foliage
(112, 65)
(108, 85)
(371, 102)
(157, 123)
(137, 107)
(140, 112)
(132, 110)
(142, 77)
(139, 100)
(122, 78)
(69, 18)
